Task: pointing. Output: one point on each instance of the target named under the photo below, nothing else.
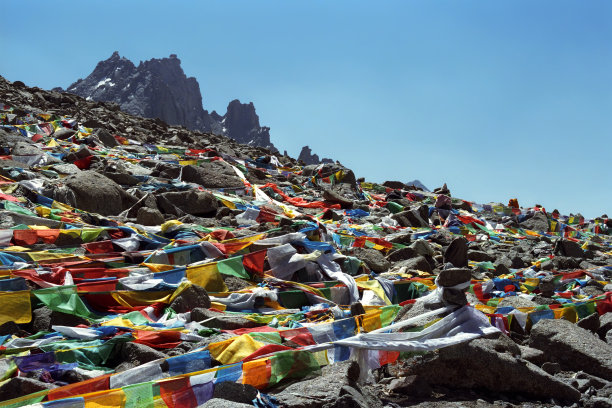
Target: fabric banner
(15, 306)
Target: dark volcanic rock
(454, 276)
(337, 198)
(480, 256)
(223, 403)
(328, 169)
(410, 218)
(591, 322)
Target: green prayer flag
(267, 337)
(139, 395)
(9, 205)
(89, 235)
(136, 317)
(33, 399)
(292, 364)
(234, 267)
(64, 299)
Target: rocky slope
(146, 264)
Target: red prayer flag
(254, 262)
(95, 384)
(177, 393)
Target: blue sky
(498, 99)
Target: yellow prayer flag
(106, 398)
(206, 276)
(15, 306)
(155, 267)
(228, 204)
(129, 298)
(375, 287)
(188, 162)
(118, 321)
(567, 313)
(235, 349)
(371, 321)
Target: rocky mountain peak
(241, 123)
(308, 157)
(159, 88)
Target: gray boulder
(92, 192)
(418, 263)
(569, 248)
(516, 302)
(327, 169)
(335, 387)
(454, 276)
(410, 218)
(337, 198)
(63, 133)
(105, 137)
(373, 258)
(480, 256)
(231, 391)
(136, 354)
(65, 168)
(572, 347)
(27, 149)
(43, 318)
(149, 216)
(590, 322)
(399, 238)
(538, 222)
(457, 253)
(214, 174)
(19, 386)
(605, 325)
(222, 321)
(401, 254)
(422, 247)
(193, 202)
(124, 179)
(492, 364)
(190, 298)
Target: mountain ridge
(159, 88)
